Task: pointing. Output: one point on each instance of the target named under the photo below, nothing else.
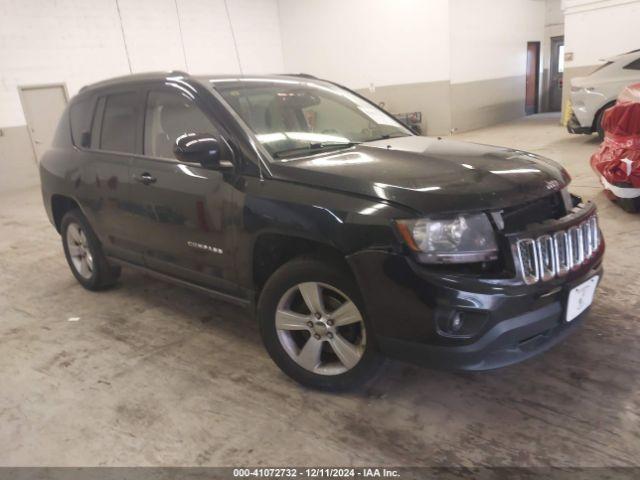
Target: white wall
(257, 31)
(359, 42)
(79, 42)
(62, 41)
(600, 29)
(489, 37)
(207, 35)
(554, 14)
(554, 27)
(363, 42)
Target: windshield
(295, 118)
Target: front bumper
(573, 126)
(507, 321)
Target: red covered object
(618, 160)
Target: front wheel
(313, 325)
(598, 122)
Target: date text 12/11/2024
(316, 473)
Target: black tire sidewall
(600, 117)
(313, 270)
(599, 129)
(98, 274)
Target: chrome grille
(548, 256)
(577, 250)
(528, 260)
(562, 251)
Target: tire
(84, 253)
(340, 351)
(599, 129)
(630, 205)
(598, 122)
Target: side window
(635, 65)
(80, 115)
(120, 123)
(168, 116)
(95, 124)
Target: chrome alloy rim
(79, 252)
(320, 328)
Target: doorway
(43, 106)
(556, 71)
(532, 78)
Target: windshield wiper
(313, 147)
(384, 137)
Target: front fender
(343, 222)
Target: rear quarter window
(80, 116)
(635, 65)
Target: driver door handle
(145, 178)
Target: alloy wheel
(320, 328)
(79, 250)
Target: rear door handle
(145, 178)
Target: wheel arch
(60, 205)
(271, 250)
(596, 117)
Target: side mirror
(201, 148)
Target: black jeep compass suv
(349, 236)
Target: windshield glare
(294, 118)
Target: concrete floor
(152, 374)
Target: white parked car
(593, 94)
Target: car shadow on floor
(582, 356)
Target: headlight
(582, 89)
(462, 239)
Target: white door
(43, 106)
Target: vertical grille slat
(595, 239)
(575, 239)
(527, 253)
(586, 239)
(551, 255)
(547, 257)
(563, 252)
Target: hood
(430, 175)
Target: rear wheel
(84, 253)
(314, 327)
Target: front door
(533, 68)
(556, 73)
(182, 208)
(43, 107)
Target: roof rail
(303, 75)
(133, 77)
(179, 72)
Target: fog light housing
(454, 323)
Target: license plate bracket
(580, 298)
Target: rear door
(184, 209)
(114, 138)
